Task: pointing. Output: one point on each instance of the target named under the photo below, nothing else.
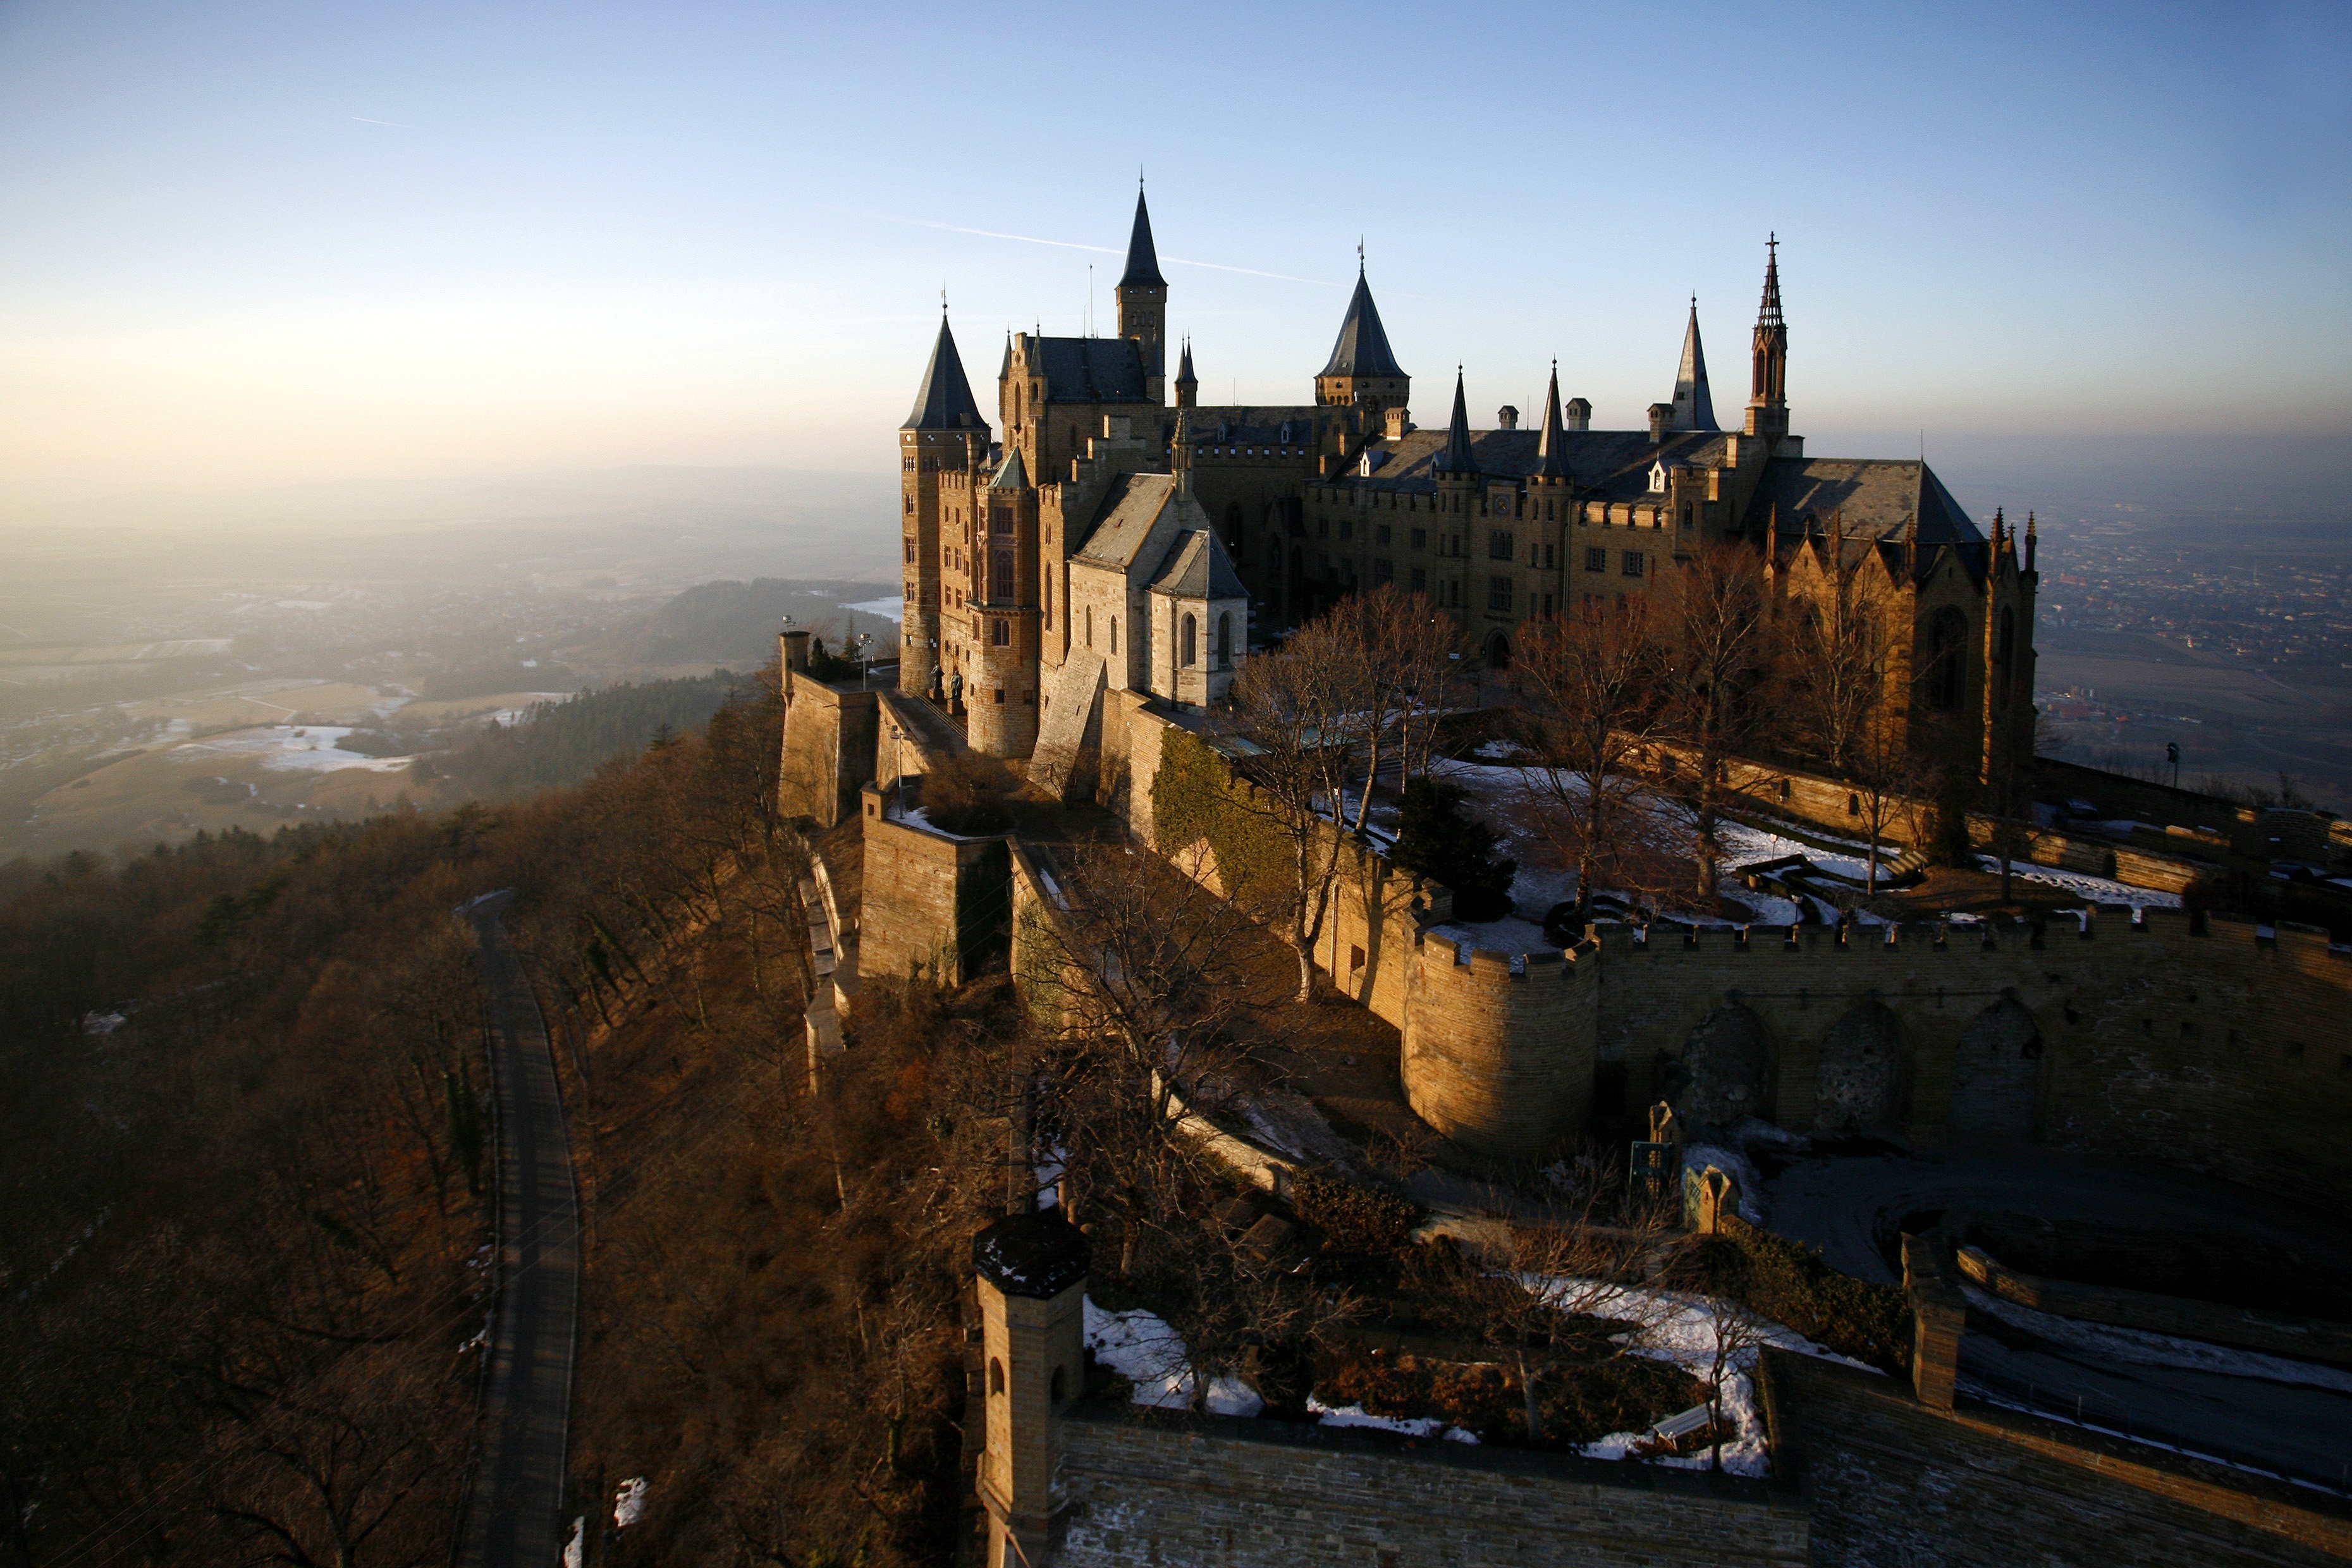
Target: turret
(1551, 446)
(941, 444)
(1694, 404)
(1143, 300)
(1030, 1283)
(1768, 398)
(1459, 461)
(1188, 385)
(1362, 371)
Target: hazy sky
(254, 242)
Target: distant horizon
(285, 244)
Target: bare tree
(1596, 675)
(1716, 630)
(1411, 647)
(1734, 1330)
(1296, 708)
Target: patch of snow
(574, 1548)
(282, 747)
(629, 1502)
(1049, 1179)
(1232, 1396)
(1357, 1416)
(1140, 1346)
(2157, 1350)
(2100, 890)
(102, 1022)
(1739, 1167)
(1510, 934)
(1499, 750)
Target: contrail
(1072, 245)
(396, 124)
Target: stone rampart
(936, 906)
(1214, 1493)
(1891, 1480)
(829, 747)
(1500, 1046)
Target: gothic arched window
(1187, 640)
(1225, 641)
(1948, 635)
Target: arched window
(1225, 640)
(1090, 625)
(1498, 652)
(995, 1375)
(1187, 640)
(1948, 635)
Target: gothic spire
(1142, 261)
(1694, 404)
(944, 399)
(1188, 385)
(1769, 314)
(1768, 398)
(1551, 446)
(1362, 348)
(1458, 458)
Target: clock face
(1500, 503)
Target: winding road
(513, 1510)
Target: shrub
(1354, 1218)
(1785, 1282)
(1436, 838)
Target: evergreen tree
(1439, 840)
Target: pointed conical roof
(1363, 345)
(1768, 313)
(1142, 261)
(944, 399)
(1694, 404)
(1458, 458)
(1011, 474)
(1184, 367)
(1551, 446)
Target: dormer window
(1657, 478)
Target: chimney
(1507, 417)
(1578, 414)
(1399, 425)
(1662, 419)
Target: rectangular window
(1421, 579)
(1596, 560)
(1499, 545)
(1000, 576)
(1632, 564)
(999, 518)
(1380, 533)
(910, 550)
(999, 634)
(1383, 570)
(1347, 528)
(1498, 593)
(1421, 539)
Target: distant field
(266, 703)
(259, 778)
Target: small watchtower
(1032, 1289)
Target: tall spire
(1768, 399)
(1188, 385)
(1142, 261)
(1694, 404)
(944, 401)
(1551, 446)
(1458, 458)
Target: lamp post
(861, 648)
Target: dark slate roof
(1607, 465)
(1694, 404)
(1461, 457)
(1198, 568)
(1263, 425)
(1184, 367)
(1142, 261)
(1874, 499)
(1090, 370)
(1363, 345)
(1035, 1255)
(1130, 508)
(944, 399)
(1011, 474)
(1551, 440)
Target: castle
(1114, 540)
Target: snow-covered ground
(1686, 1329)
(283, 747)
(1357, 1416)
(1140, 1346)
(2098, 890)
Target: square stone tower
(1032, 1285)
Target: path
(513, 1511)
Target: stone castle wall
(1499, 1049)
(1892, 1480)
(829, 748)
(936, 907)
(1213, 1493)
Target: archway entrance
(1498, 652)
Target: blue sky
(253, 242)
